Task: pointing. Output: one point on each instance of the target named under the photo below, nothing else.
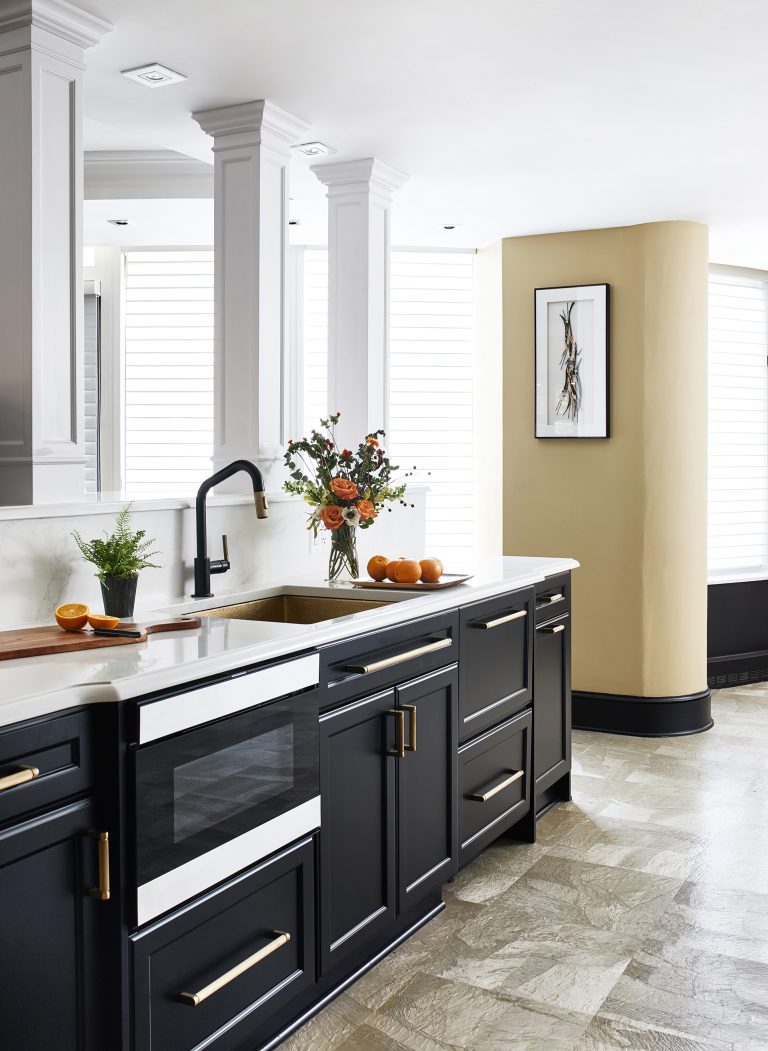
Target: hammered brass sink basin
(293, 609)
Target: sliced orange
(102, 620)
(72, 616)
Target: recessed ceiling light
(153, 75)
(120, 222)
(454, 226)
(314, 149)
(294, 222)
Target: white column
(41, 276)
(359, 195)
(251, 146)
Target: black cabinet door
(552, 703)
(49, 935)
(427, 786)
(357, 839)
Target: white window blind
(431, 391)
(315, 345)
(738, 424)
(168, 340)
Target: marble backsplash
(42, 567)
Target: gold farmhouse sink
(293, 609)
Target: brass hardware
(262, 507)
(400, 658)
(19, 777)
(102, 891)
(399, 749)
(292, 609)
(547, 599)
(517, 615)
(193, 999)
(225, 547)
(411, 709)
(483, 797)
(554, 630)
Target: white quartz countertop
(35, 686)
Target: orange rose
(344, 489)
(366, 509)
(372, 441)
(332, 516)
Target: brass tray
(455, 578)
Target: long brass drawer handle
(498, 621)
(554, 630)
(193, 999)
(545, 600)
(19, 777)
(399, 658)
(483, 797)
(411, 709)
(399, 750)
(101, 892)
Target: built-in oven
(224, 774)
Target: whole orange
(391, 567)
(407, 571)
(377, 567)
(431, 570)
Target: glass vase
(343, 559)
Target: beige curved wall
(631, 509)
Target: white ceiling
(510, 116)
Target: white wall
(42, 567)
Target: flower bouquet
(345, 489)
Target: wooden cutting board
(35, 642)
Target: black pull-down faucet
(204, 567)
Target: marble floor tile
(330, 1027)
(494, 872)
(605, 1033)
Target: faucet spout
(204, 567)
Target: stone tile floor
(638, 921)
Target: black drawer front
(184, 955)
(351, 669)
(553, 597)
(496, 664)
(494, 784)
(44, 762)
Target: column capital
(58, 17)
(251, 124)
(365, 175)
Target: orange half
(72, 616)
(102, 620)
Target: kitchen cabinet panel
(552, 709)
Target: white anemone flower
(351, 516)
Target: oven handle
(193, 999)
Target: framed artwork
(572, 367)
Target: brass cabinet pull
(483, 797)
(102, 891)
(411, 709)
(498, 621)
(19, 777)
(193, 999)
(399, 658)
(399, 750)
(553, 630)
(545, 600)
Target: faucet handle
(225, 546)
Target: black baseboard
(642, 716)
(737, 669)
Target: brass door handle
(506, 619)
(399, 750)
(101, 892)
(193, 999)
(19, 777)
(411, 709)
(553, 630)
(483, 797)
(399, 658)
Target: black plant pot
(119, 596)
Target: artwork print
(572, 362)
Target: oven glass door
(213, 783)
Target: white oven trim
(201, 873)
(169, 715)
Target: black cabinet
(51, 931)
(389, 834)
(552, 711)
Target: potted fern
(118, 559)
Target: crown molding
(149, 174)
(365, 175)
(58, 17)
(256, 122)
